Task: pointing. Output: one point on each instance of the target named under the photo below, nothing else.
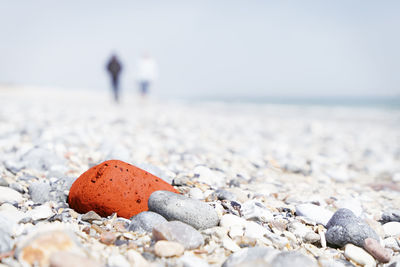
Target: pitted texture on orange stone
(115, 186)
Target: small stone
(192, 261)
(114, 186)
(90, 216)
(311, 238)
(9, 217)
(179, 232)
(376, 250)
(177, 207)
(255, 210)
(300, 230)
(228, 244)
(314, 213)
(117, 260)
(107, 238)
(39, 192)
(391, 229)
(196, 193)
(9, 195)
(165, 248)
(392, 244)
(67, 259)
(145, 221)
(344, 227)
(250, 254)
(208, 176)
(39, 213)
(39, 247)
(293, 258)
(229, 220)
(17, 187)
(3, 181)
(225, 195)
(391, 216)
(254, 230)
(136, 259)
(359, 255)
(236, 231)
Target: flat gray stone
(178, 207)
(179, 232)
(255, 255)
(344, 228)
(145, 221)
(39, 192)
(293, 258)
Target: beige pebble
(107, 238)
(136, 259)
(359, 255)
(165, 248)
(39, 248)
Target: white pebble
(391, 229)
(359, 255)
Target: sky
(207, 48)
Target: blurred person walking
(147, 72)
(114, 67)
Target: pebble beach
(260, 184)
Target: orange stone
(115, 186)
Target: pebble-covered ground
(262, 185)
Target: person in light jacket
(147, 72)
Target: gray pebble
(225, 195)
(391, 216)
(179, 181)
(179, 232)
(17, 187)
(145, 221)
(39, 192)
(344, 227)
(90, 216)
(178, 207)
(254, 254)
(293, 258)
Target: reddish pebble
(107, 238)
(376, 250)
(86, 230)
(115, 186)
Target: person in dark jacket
(114, 67)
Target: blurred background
(224, 50)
